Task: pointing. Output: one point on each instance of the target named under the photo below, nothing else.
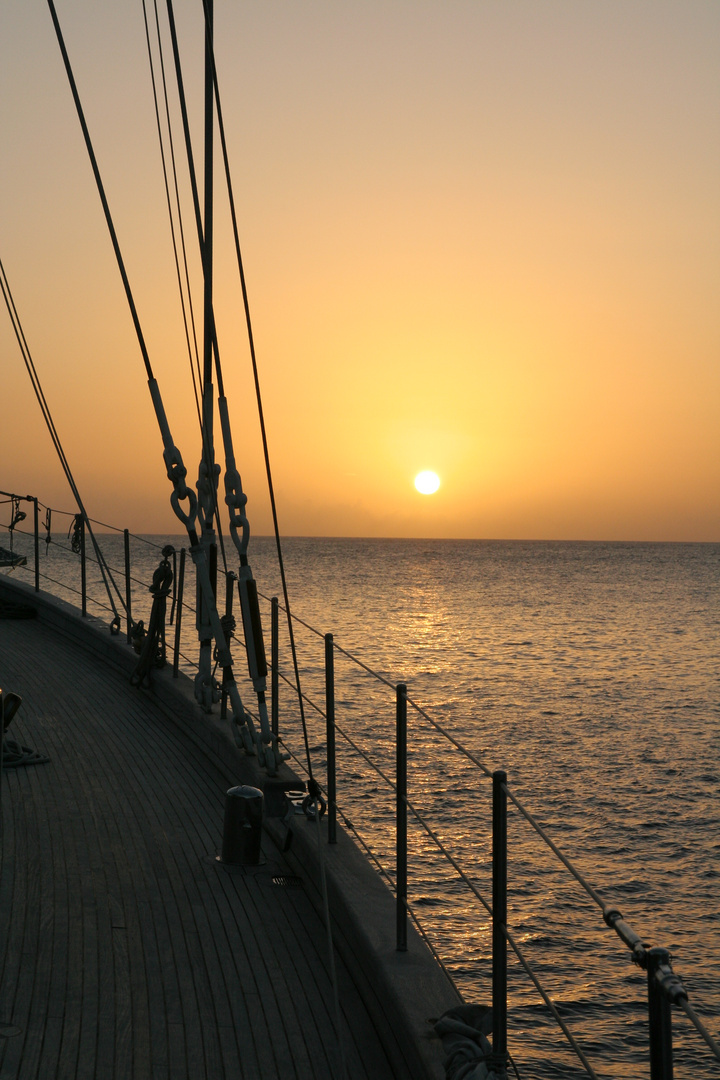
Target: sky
(480, 238)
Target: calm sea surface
(590, 672)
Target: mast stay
(191, 509)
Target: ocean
(589, 672)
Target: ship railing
(132, 596)
(664, 988)
(132, 592)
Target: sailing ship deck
(130, 951)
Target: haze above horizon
(480, 239)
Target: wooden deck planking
(19, 974)
(293, 991)
(45, 938)
(96, 1044)
(310, 953)
(137, 956)
(176, 942)
(157, 880)
(358, 1035)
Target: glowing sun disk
(427, 482)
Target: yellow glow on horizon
(427, 482)
(497, 258)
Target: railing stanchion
(37, 545)
(178, 616)
(401, 814)
(659, 1017)
(499, 924)
(83, 566)
(274, 669)
(330, 722)
(128, 587)
(230, 579)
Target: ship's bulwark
(130, 952)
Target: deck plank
(131, 953)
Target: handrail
(381, 678)
(611, 915)
(66, 550)
(661, 975)
(687, 1008)
(382, 870)
(338, 648)
(551, 1006)
(71, 514)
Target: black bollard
(242, 830)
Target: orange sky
(480, 238)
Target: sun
(427, 482)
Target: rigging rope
(101, 190)
(173, 459)
(313, 786)
(176, 471)
(232, 483)
(551, 1005)
(47, 416)
(188, 147)
(183, 287)
(235, 499)
(207, 454)
(197, 380)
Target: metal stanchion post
(274, 660)
(401, 814)
(659, 1017)
(330, 722)
(128, 589)
(178, 616)
(499, 924)
(83, 566)
(230, 579)
(37, 546)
